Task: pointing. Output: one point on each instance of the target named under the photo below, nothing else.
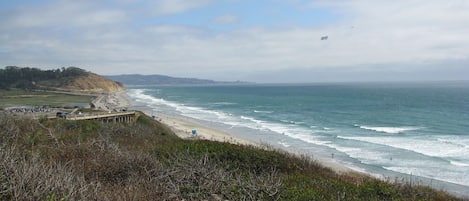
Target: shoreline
(182, 127)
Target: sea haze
(419, 129)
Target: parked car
(61, 114)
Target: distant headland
(137, 79)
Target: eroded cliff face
(92, 83)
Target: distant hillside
(71, 79)
(136, 79)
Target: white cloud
(407, 30)
(372, 34)
(166, 29)
(67, 14)
(226, 19)
(165, 7)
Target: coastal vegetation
(21, 97)
(26, 78)
(71, 79)
(87, 160)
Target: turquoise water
(419, 129)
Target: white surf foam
(292, 122)
(442, 174)
(263, 111)
(224, 103)
(365, 156)
(460, 164)
(186, 110)
(453, 157)
(390, 130)
(139, 95)
(457, 141)
(426, 146)
(289, 128)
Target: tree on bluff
(72, 72)
(18, 77)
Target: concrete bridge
(125, 117)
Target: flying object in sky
(324, 37)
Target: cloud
(166, 7)
(374, 36)
(407, 30)
(226, 19)
(65, 14)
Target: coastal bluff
(71, 79)
(92, 83)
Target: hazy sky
(250, 40)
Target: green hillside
(33, 78)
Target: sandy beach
(111, 101)
(184, 128)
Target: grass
(40, 98)
(87, 160)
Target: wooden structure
(115, 117)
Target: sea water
(385, 129)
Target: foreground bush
(86, 160)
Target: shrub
(86, 160)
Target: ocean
(417, 131)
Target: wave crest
(389, 130)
